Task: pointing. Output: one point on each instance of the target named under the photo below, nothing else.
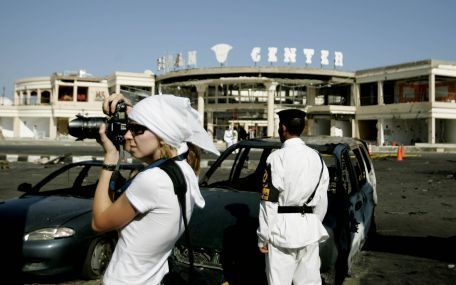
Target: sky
(38, 38)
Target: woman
(147, 213)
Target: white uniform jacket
(295, 170)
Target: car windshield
(74, 180)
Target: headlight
(49, 234)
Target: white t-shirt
(144, 245)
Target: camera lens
(85, 127)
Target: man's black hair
(293, 119)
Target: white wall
(404, 131)
(7, 127)
(321, 127)
(445, 131)
(31, 127)
(343, 129)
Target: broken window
(83, 94)
(65, 93)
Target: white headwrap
(174, 120)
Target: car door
(361, 203)
(352, 224)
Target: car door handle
(358, 205)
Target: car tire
(98, 257)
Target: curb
(44, 159)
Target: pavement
(45, 158)
(206, 160)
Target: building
(43, 106)
(400, 104)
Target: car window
(358, 165)
(64, 180)
(347, 174)
(330, 162)
(242, 171)
(366, 158)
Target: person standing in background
(294, 203)
(228, 136)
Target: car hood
(33, 211)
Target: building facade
(401, 104)
(43, 106)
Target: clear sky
(40, 37)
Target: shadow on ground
(437, 248)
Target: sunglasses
(136, 129)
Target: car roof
(318, 142)
(123, 165)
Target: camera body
(87, 127)
(117, 124)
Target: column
(38, 96)
(27, 98)
(75, 91)
(332, 127)
(52, 128)
(55, 94)
(201, 89)
(355, 129)
(380, 98)
(355, 95)
(380, 132)
(431, 130)
(432, 88)
(17, 127)
(310, 126)
(271, 89)
(210, 124)
(311, 92)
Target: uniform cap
(286, 115)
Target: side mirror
(24, 187)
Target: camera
(88, 127)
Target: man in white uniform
(294, 203)
(228, 136)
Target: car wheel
(98, 257)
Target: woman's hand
(111, 154)
(110, 103)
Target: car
(223, 233)
(47, 230)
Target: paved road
(416, 220)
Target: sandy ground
(415, 216)
(416, 223)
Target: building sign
(289, 55)
(221, 52)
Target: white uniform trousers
(300, 266)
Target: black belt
(295, 209)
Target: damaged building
(404, 104)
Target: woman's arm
(109, 215)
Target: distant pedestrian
(228, 136)
(242, 133)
